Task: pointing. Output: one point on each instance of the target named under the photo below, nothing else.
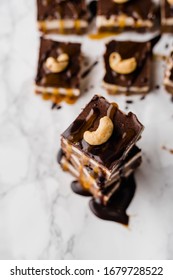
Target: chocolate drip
(86, 73)
(92, 7)
(60, 155)
(78, 189)
(118, 204)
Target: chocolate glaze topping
(59, 9)
(134, 8)
(127, 130)
(127, 49)
(69, 78)
(168, 9)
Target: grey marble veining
(40, 218)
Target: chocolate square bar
(108, 156)
(167, 16)
(59, 16)
(102, 163)
(118, 15)
(127, 66)
(168, 79)
(58, 73)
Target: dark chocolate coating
(59, 9)
(127, 130)
(127, 49)
(136, 9)
(115, 210)
(69, 78)
(168, 9)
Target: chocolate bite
(58, 74)
(130, 73)
(168, 79)
(128, 15)
(59, 16)
(167, 16)
(100, 169)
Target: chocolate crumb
(157, 87)
(126, 108)
(166, 46)
(55, 106)
(142, 97)
(166, 149)
(172, 98)
(129, 101)
(85, 73)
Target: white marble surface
(40, 217)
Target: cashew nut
(170, 2)
(57, 65)
(101, 134)
(120, 66)
(120, 1)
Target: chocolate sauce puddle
(118, 204)
(77, 188)
(86, 73)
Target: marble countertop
(40, 217)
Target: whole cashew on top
(102, 134)
(120, 1)
(57, 65)
(170, 2)
(120, 66)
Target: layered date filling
(127, 67)
(127, 14)
(58, 73)
(121, 21)
(94, 180)
(63, 26)
(62, 16)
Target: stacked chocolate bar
(119, 15)
(168, 79)
(167, 16)
(127, 67)
(59, 16)
(99, 149)
(58, 74)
